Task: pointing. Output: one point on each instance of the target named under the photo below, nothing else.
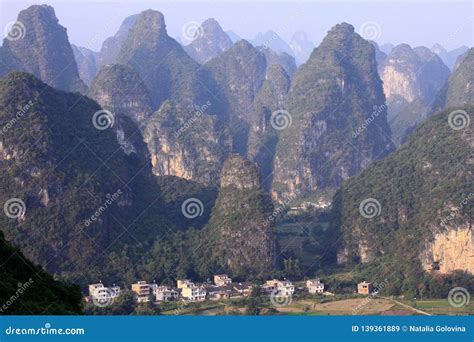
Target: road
(408, 306)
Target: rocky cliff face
(411, 79)
(190, 145)
(119, 89)
(210, 43)
(239, 73)
(402, 209)
(450, 250)
(263, 135)
(336, 121)
(39, 45)
(170, 97)
(86, 61)
(163, 65)
(240, 238)
(76, 185)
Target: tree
(254, 302)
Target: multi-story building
(282, 287)
(165, 293)
(315, 286)
(222, 280)
(191, 291)
(364, 288)
(182, 283)
(143, 291)
(102, 293)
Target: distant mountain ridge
(42, 48)
(412, 79)
(449, 57)
(211, 42)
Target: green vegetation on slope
(25, 289)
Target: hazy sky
(417, 22)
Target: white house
(282, 287)
(102, 293)
(191, 291)
(315, 286)
(165, 293)
(222, 280)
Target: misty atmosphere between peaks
(236, 158)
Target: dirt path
(408, 306)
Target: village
(222, 287)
